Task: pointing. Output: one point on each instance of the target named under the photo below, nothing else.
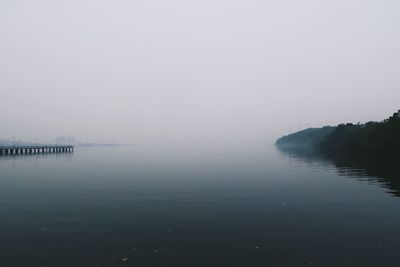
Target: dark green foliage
(369, 140)
(371, 149)
(373, 139)
(307, 138)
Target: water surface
(194, 206)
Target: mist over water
(200, 90)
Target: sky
(182, 71)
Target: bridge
(35, 149)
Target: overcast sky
(154, 71)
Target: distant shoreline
(103, 145)
(369, 140)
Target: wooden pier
(35, 149)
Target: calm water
(186, 206)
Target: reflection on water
(191, 206)
(381, 171)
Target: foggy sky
(212, 71)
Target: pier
(35, 149)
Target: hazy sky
(154, 71)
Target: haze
(194, 71)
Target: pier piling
(37, 149)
